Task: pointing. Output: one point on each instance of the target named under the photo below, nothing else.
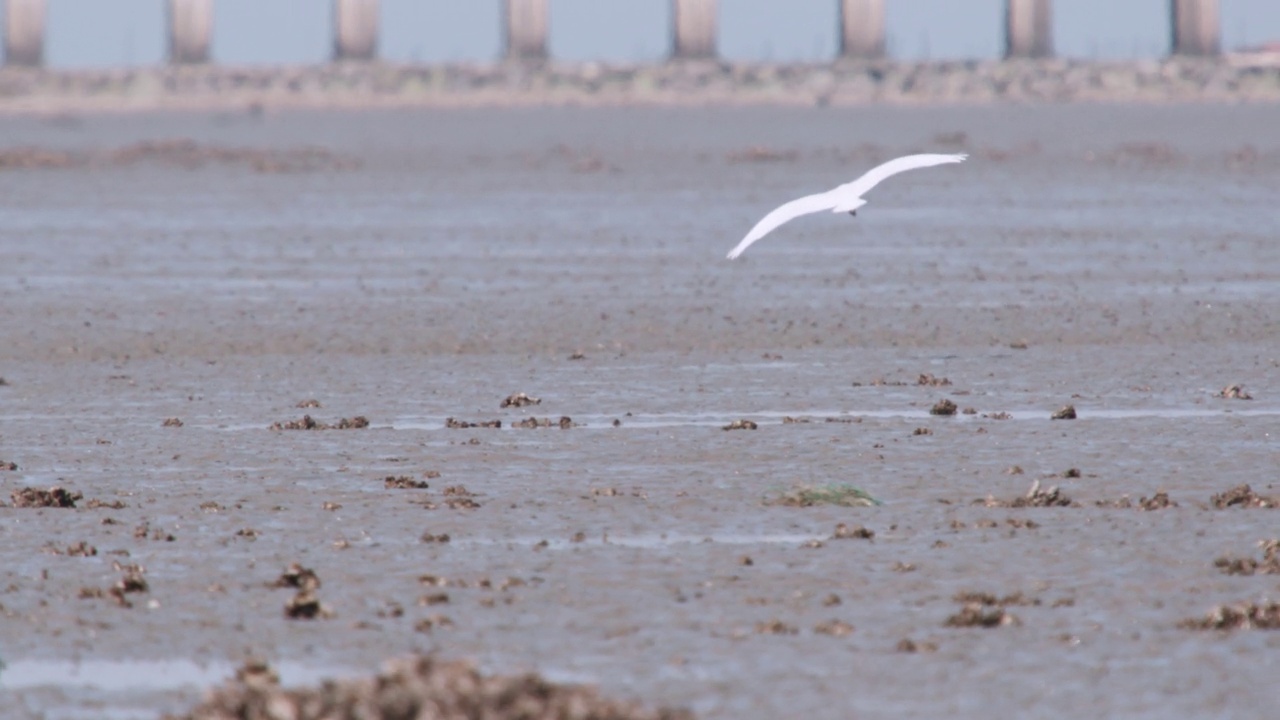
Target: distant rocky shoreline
(1241, 78)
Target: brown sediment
(930, 380)
(172, 422)
(741, 425)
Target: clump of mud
(29, 497)
(1159, 501)
(1243, 496)
(1036, 497)
(907, 645)
(775, 627)
(929, 380)
(977, 615)
(520, 400)
(1268, 565)
(943, 407)
(811, 495)
(968, 597)
(418, 687)
(1066, 412)
(172, 422)
(297, 576)
(307, 422)
(456, 497)
(986, 610)
(462, 424)
(741, 425)
(306, 606)
(844, 532)
(1234, 392)
(8, 465)
(1241, 616)
(403, 482)
(834, 628)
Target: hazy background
(106, 33)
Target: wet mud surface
(577, 442)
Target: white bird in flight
(845, 198)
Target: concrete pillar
(190, 30)
(355, 29)
(862, 28)
(1196, 29)
(695, 29)
(24, 32)
(527, 29)
(1028, 28)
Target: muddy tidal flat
(318, 390)
(1244, 77)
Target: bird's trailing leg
(853, 213)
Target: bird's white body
(846, 198)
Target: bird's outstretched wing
(790, 211)
(875, 175)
